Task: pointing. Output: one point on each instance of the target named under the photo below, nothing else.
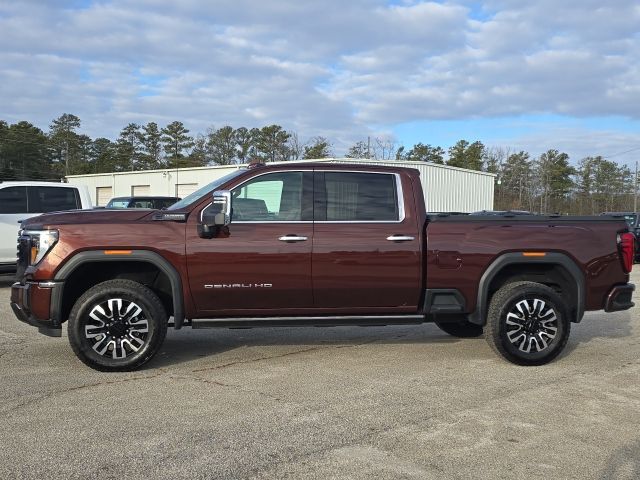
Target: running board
(356, 320)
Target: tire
(461, 328)
(117, 325)
(527, 323)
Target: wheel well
(90, 274)
(552, 275)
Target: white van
(21, 200)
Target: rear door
(263, 261)
(366, 252)
(44, 199)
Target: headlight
(41, 242)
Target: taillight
(626, 245)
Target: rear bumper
(33, 304)
(619, 298)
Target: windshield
(189, 199)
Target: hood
(86, 217)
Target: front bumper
(34, 304)
(619, 298)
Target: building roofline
(354, 161)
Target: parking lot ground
(379, 402)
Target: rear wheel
(461, 328)
(117, 325)
(527, 323)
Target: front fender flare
(135, 256)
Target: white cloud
(334, 68)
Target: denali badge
(239, 285)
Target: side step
(333, 321)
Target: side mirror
(218, 214)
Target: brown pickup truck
(321, 245)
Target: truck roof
(27, 183)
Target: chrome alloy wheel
(532, 325)
(117, 328)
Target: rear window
(13, 200)
(631, 220)
(118, 203)
(52, 199)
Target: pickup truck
(315, 244)
(21, 200)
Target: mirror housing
(216, 215)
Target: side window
(352, 196)
(275, 197)
(52, 199)
(164, 203)
(13, 200)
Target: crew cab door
(263, 261)
(366, 251)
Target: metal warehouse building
(446, 189)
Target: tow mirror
(218, 214)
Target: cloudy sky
(523, 74)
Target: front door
(263, 261)
(366, 247)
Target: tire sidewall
(156, 318)
(558, 343)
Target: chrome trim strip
(292, 238)
(400, 193)
(400, 238)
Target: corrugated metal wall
(161, 182)
(446, 189)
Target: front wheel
(527, 323)
(117, 325)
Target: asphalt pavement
(345, 402)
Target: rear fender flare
(479, 316)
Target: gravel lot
(349, 402)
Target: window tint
(275, 197)
(165, 203)
(350, 196)
(52, 199)
(13, 200)
(142, 203)
(631, 220)
(118, 203)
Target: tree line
(546, 183)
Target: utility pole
(635, 190)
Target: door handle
(400, 238)
(292, 238)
